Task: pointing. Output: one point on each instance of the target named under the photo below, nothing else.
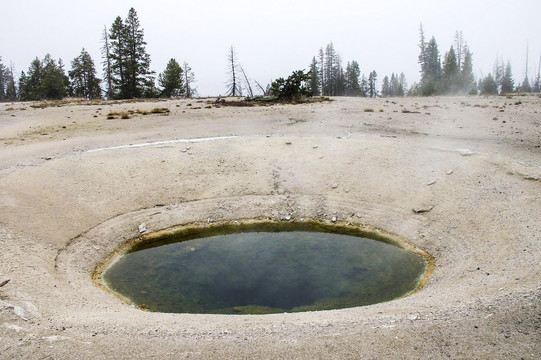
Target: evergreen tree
(372, 90)
(118, 59)
(508, 84)
(11, 88)
(432, 73)
(386, 87)
(352, 79)
(422, 55)
(467, 80)
(395, 86)
(537, 83)
(84, 80)
(330, 75)
(46, 79)
(450, 73)
(189, 80)
(139, 76)
(402, 85)
(172, 80)
(128, 61)
(489, 86)
(526, 87)
(30, 84)
(499, 71)
(294, 88)
(321, 61)
(55, 81)
(315, 82)
(3, 73)
(364, 86)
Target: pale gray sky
(273, 38)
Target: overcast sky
(273, 38)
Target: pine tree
(526, 87)
(364, 86)
(30, 83)
(489, 86)
(3, 72)
(402, 85)
(467, 80)
(131, 76)
(139, 76)
(84, 80)
(422, 55)
(395, 86)
(352, 79)
(450, 73)
(118, 59)
(508, 84)
(172, 80)
(331, 72)
(432, 72)
(46, 79)
(11, 88)
(315, 82)
(386, 87)
(372, 90)
(322, 80)
(537, 82)
(55, 81)
(499, 71)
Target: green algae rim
(195, 230)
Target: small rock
(449, 172)
(315, 146)
(431, 182)
(465, 152)
(287, 217)
(423, 209)
(334, 219)
(334, 186)
(288, 142)
(142, 228)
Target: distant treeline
(329, 78)
(126, 69)
(127, 74)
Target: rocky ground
(74, 186)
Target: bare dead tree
(247, 82)
(106, 53)
(189, 80)
(234, 87)
(459, 43)
(263, 90)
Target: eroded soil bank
(75, 186)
